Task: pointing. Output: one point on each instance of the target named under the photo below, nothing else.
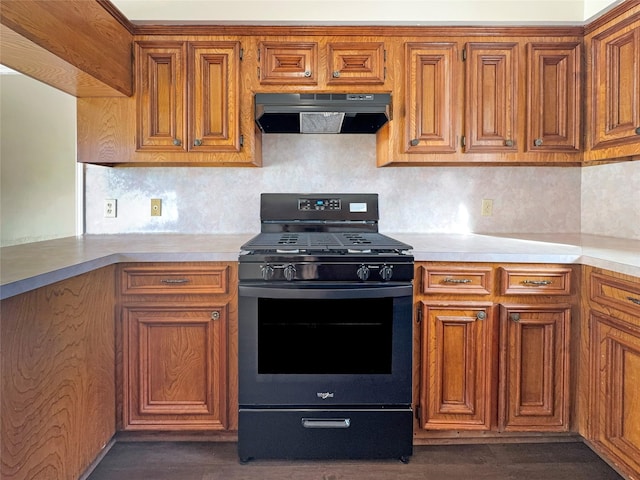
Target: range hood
(322, 112)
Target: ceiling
(363, 12)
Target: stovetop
(321, 242)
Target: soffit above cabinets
(363, 12)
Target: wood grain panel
(174, 279)
(214, 96)
(534, 367)
(554, 97)
(492, 97)
(355, 63)
(288, 63)
(457, 364)
(615, 370)
(58, 386)
(76, 39)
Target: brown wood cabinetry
(485, 102)
(57, 378)
(612, 310)
(190, 107)
(321, 62)
(613, 88)
(188, 96)
(493, 348)
(176, 320)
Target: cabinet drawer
(615, 292)
(535, 281)
(141, 280)
(457, 280)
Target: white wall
(361, 12)
(38, 161)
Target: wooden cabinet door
(553, 97)
(355, 63)
(534, 368)
(174, 360)
(431, 99)
(161, 96)
(491, 110)
(214, 96)
(288, 63)
(615, 377)
(616, 87)
(457, 367)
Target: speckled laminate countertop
(33, 265)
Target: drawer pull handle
(515, 317)
(634, 300)
(175, 281)
(326, 422)
(456, 280)
(537, 283)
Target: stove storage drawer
(325, 433)
(535, 281)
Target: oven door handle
(326, 422)
(325, 292)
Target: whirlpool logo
(324, 395)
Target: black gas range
(323, 237)
(324, 333)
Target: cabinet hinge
(464, 54)
(463, 141)
(384, 55)
(258, 54)
(258, 69)
(418, 414)
(241, 140)
(384, 75)
(241, 54)
(419, 313)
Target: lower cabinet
(613, 313)
(175, 322)
(493, 355)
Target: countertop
(33, 265)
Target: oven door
(315, 344)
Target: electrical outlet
(487, 207)
(110, 208)
(156, 207)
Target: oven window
(324, 336)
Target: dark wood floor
(219, 461)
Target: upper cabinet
(320, 63)
(188, 96)
(190, 107)
(613, 89)
(486, 102)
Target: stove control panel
(319, 204)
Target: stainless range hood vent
(322, 112)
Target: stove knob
(363, 272)
(289, 272)
(386, 272)
(267, 272)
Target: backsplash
(412, 199)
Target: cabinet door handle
(177, 142)
(414, 142)
(336, 74)
(215, 315)
(174, 281)
(537, 142)
(197, 142)
(634, 300)
(515, 317)
(307, 73)
(638, 131)
(456, 280)
(537, 283)
(508, 143)
(481, 315)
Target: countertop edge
(90, 253)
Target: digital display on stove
(319, 204)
